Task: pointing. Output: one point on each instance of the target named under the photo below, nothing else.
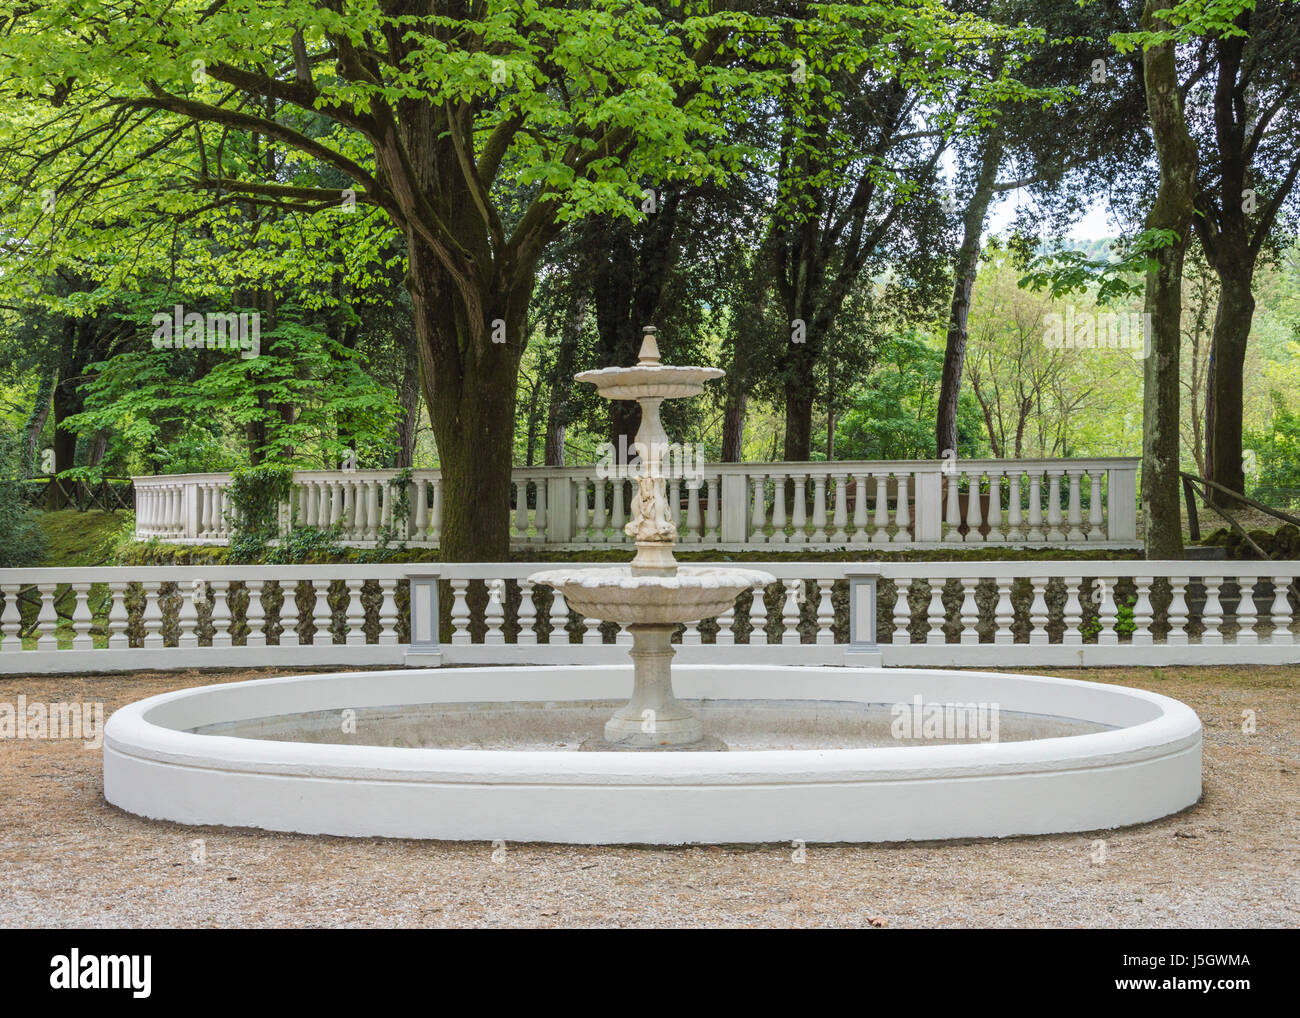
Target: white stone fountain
(653, 595)
(484, 753)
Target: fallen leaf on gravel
(878, 921)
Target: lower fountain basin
(1073, 756)
(614, 594)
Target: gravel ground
(70, 859)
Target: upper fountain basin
(613, 594)
(660, 381)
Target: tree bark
(967, 266)
(469, 386)
(1224, 389)
(1172, 211)
(733, 427)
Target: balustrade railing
(995, 614)
(731, 506)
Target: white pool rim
(1148, 765)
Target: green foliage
(1277, 448)
(22, 539)
(891, 415)
(255, 495)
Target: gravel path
(70, 859)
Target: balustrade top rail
(729, 506)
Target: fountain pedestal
(653, 719)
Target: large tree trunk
(798, 422)
(733, 428)
(1224, 390)
(1172, 210)
(469, 385)
(409, 421)
(967, 266)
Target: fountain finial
(649, 355)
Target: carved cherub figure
(650, 513)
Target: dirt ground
(69, 859)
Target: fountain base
(653, 718)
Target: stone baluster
(1142, 612)
(580, 511)
(758, 512)
(1178, 612)
(903, 513)
(321, 614)
(860, 533)
(1038, 616)
(81, 618)
(1073, 612)
(713, 521)
(1280, 614)
(819, 509)
(1108, 614)
(151, 617)
(255, 615)
(1035, 507)
(221, 617)
(435, 514)
(691, 635)
(388, 612)
(935, 614)
(494, 614)
(799, 519)
(1015, 520)
(1096, 526)
(880, 522)
(840, 535)
(559, 619)
(692, 535)
(372, 510)
(618, 514)
(539, 508)
(11, 621)
(187, 619)
(521, 509)
(902, 611)
(117, 616)
(1075, 515)
(790, 612)
(974, 515)
(1054, 518)
(47, 618)
(726, 627)
(355, 615)
(526, 614)
(459, 613)
(287, 616)
(995, 533)
(825, 610)
(952, 515)
(421, 509)
(598, 518)
(1246, 612)
(970, 613)
(779, 535)
(1004, 613)
(758, 618)
(1212, 617)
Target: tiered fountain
(487, 753)
(653, 595)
